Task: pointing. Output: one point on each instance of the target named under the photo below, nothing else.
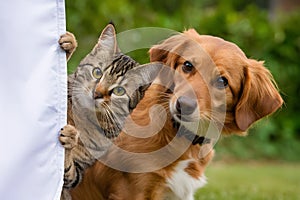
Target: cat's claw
(69, 137)
(68, 43)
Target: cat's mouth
(108, 123)
(110, 129)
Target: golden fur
(250, 95)
(252, 92)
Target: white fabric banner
(33, 90)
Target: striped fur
(103, 91)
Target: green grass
(251, 181)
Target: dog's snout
(185, 105)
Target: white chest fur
(183, 185)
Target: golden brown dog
(213, 83)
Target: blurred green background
(264, 30)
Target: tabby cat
(103, 91)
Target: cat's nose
(186, 105)
(98, 95)
(100, 91)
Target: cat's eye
(187, 67)
(119, 91)
(97, 73)
(221, 82)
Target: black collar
(195, 139)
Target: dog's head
(214, 78)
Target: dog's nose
(186, 105)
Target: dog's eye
(221, 82)
(187, 67)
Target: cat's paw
(68, 43)
(69, 136)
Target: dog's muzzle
(185, 106)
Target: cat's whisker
(109, 121)
(80, 91)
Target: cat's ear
(139, 79)
(108, 41)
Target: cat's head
(107, 84)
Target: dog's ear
(259, 97)
(167, 51)
(157, 53)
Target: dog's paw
(69, 137)
(68, 43)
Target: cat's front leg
(69, 137)
(68, 43)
